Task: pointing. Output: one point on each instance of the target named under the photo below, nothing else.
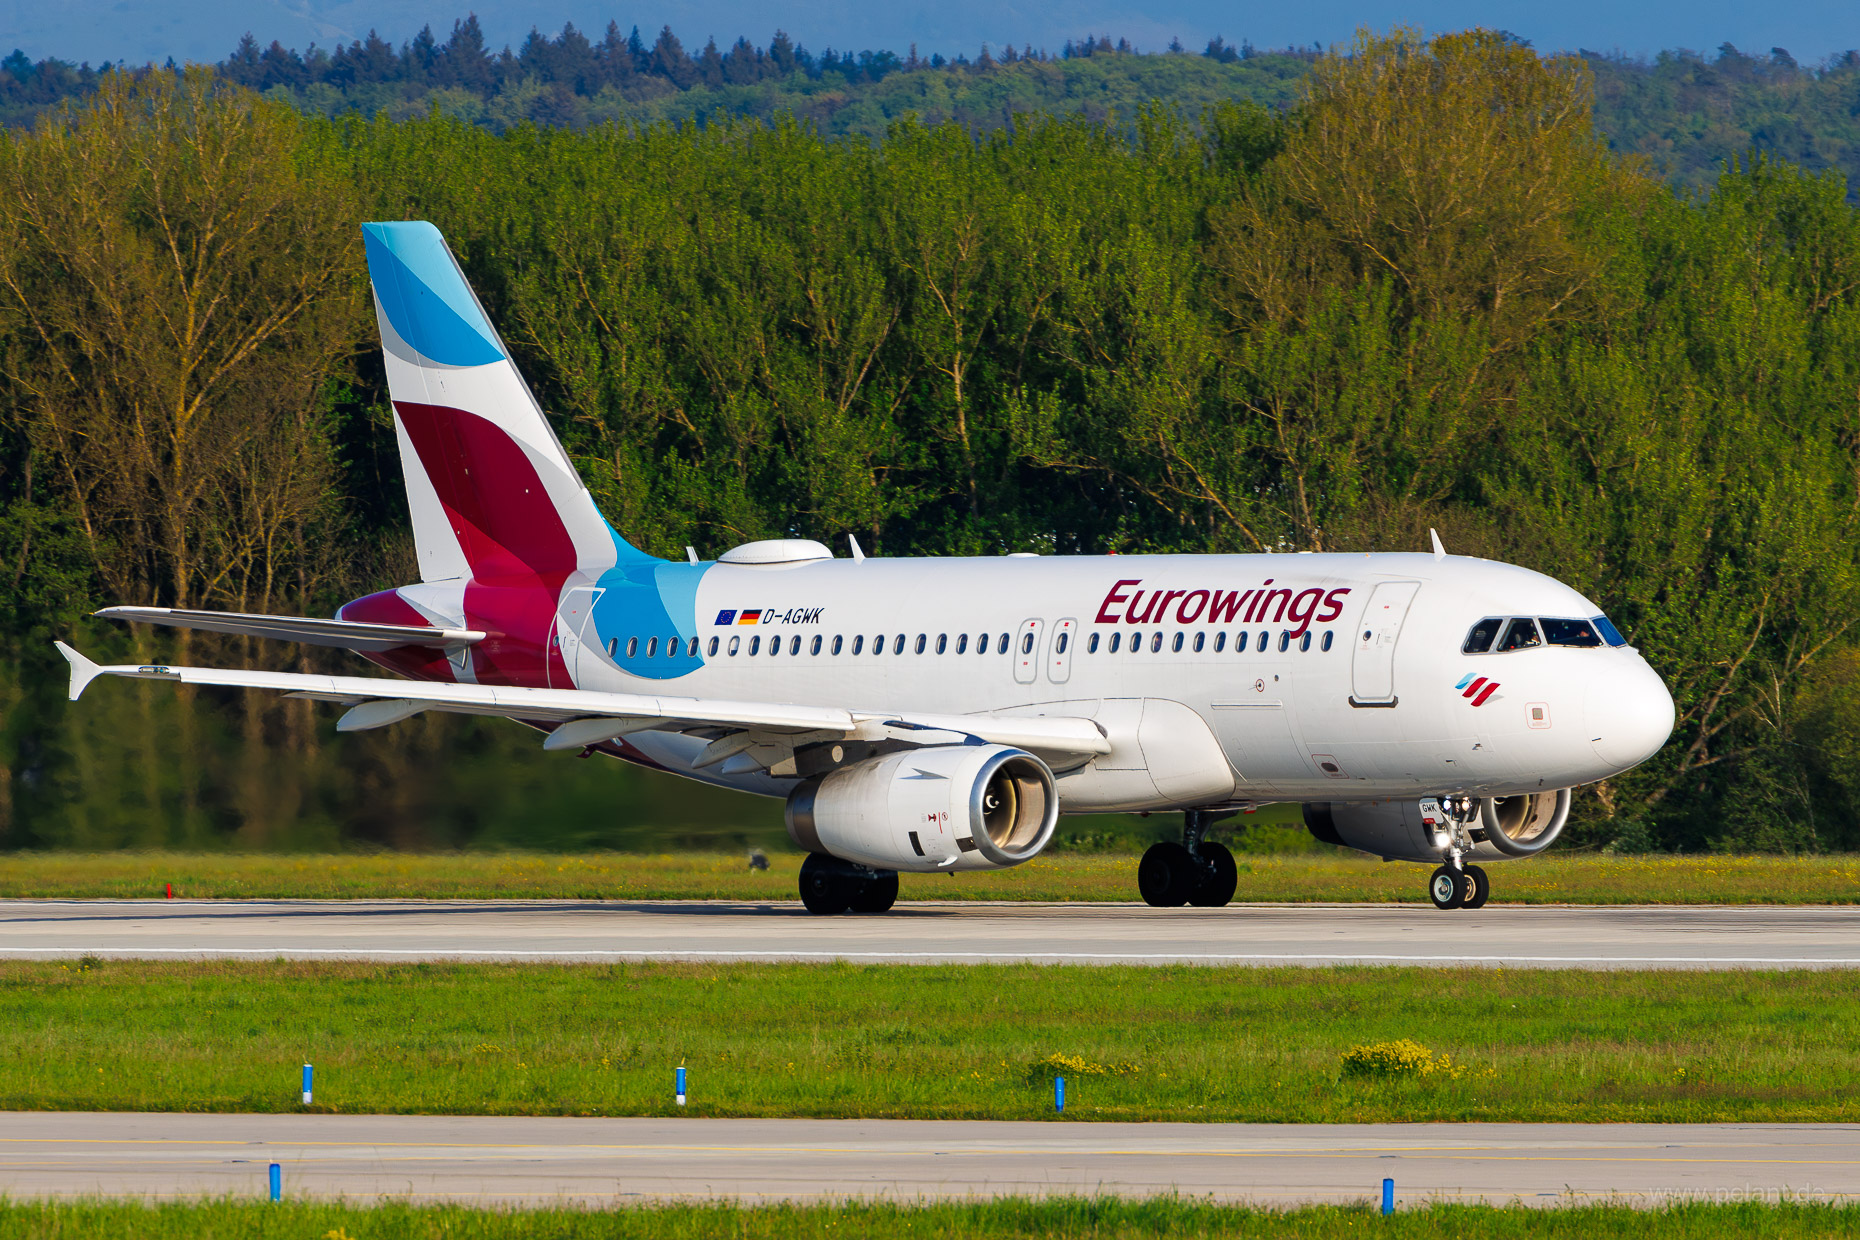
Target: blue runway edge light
(277, 1182)
(1388, 1196)
(680, 1088)
(308, 1072)
(1059, 1093)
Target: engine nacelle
(943, 808)
(1507, 827)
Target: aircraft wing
(342, 634)
(586, 717)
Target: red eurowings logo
(1478, 689)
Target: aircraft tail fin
(491, 491)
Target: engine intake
(946, 807)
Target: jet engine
(1506, 827)
(942, 808)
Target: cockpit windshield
(1570, 633)
(1520, 634)
(1523, 633)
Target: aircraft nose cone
(1630, 715)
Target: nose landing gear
(1197, 871)
(1454, 884)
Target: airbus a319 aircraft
(940, 714)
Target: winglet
(1440, 551)
(83, 671)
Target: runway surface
(1538, 936)
(489, 1159)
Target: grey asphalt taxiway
(1511, 936)
(601, 1162)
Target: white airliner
(939, 714)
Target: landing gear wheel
(1481, 887)
(1167, 875)
(1447, 888)
(877, 895)
(825, 886)
(1219, 877)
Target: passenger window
(713, 648)
(1156, 641)
(794, 644)
(1260, 645)
(1001, 647)
(652, 647)
(858, 644)
(1175, 647)
(1026, 644)
(836, 643)
(735, 642)
(613, 647)
(878, 644)
(1285, 640)
(1116, 640)
(692, 652)
(1136, 643)
(942, 642)
(1091, 645)
(1570, 633)
(632, 646)
(1479, 641)
(962, 643)
(1200, 640)
(897, 647)
(1609, 632)
(1304, 641)
(813, 647)
(1220, 641)
(774, 646)
(1059, 646)
(755, 645)
(921, 639)
(1521, 634)
(1327, 636)
(1240, 642)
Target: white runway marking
(1604, 936)
(525, 1160)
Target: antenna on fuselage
(858, 555)
(691, 554)
(1440, 552)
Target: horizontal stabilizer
(83, 671)
(307, 630)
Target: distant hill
(1685, 111)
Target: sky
(205, 30)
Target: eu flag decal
(726, 617)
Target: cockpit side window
(1609, 632)
(1479, 641)
(1570, 633)
(1520, 634)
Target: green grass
(1570, 878)
(1067, 1218)
(954, 1042)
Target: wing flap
(307, 630)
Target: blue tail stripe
(425, 297)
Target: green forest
(1427, 292)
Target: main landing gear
(1197, 871)
(830, 885)
(1455, 884)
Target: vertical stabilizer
(492, 494)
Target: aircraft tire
(1219, 877)
(825, 886)
(1446, 887)
(876, 895)
(1167, 875)
(1481, 887)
